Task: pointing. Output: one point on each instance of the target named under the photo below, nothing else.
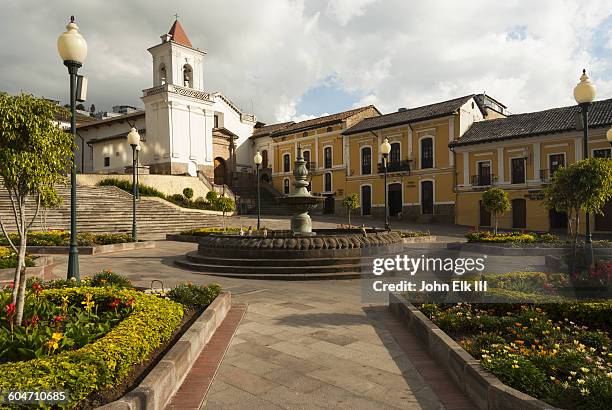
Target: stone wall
(168, 184)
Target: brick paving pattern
(192, 392)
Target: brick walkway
(192, 392)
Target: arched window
(327, 155)
(427, 153)
(286, 186)
(366, 161)
(286, 163)
(395, 154)
(328, 182)
(187, 76)
(264, 158)
(162, 74)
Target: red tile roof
(178, 35)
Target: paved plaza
(307, 344)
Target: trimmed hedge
(208, 231)
(105, 362)
(62, 238)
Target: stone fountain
(297, 254)
(301, 200)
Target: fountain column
(301, 200)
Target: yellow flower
(53, 343)
(580, 381)
(88, 302)
(584, 370)
(57, 336)
(584, 391)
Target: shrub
(8, 258)
(109, 278)
(188, 193)
(510, 237)
(106, 361)
(125, 185)
(208, 231)
(201, 203)
(495, 200)
(211, 196)
(194, 296)
(412, 234)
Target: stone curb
(485, 390)
(420, 239)
(156, 390)
(182, 238)
(40, 264)
(92, 250)
(506, 251)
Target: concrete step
(214, 260)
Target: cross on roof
(176, 16)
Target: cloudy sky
(293, 59)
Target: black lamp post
(385, 149)
(72, 49)
(584, 94)
(134, 140)
(137, 171)
(257, 159)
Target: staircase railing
(223, 189)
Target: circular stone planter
(329, 254)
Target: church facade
(185, 130)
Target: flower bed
(526, 239)
(91, 337)
(62, 238)
(559, 353)
(412, 234)
(8, 258)
(210, 230)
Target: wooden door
(427, 197)
(395, 199)
(366, 200)
(485, 216)
(519, 213)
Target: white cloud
(268, 54)
(343, 11)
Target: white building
(184, 129)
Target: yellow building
(421, 170)
(519, 154)
(323, 147)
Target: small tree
(224, 204)
(495, 200)
(188, 193)
(584, 186)
(350, 202)
(34, 155)
(211, 197)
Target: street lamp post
(385, 149)
(134, 140)
(257, 159)
(584, 94)
(137, 171)
(72, 49)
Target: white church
(184, 129)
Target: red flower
(10, 310)
(11, 285)
(33, 321)
(37, 287)
(113, 305)
(58, 318)
(129, 302)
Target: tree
(188, 193)
(495, 200)
(583, 186)
(35, 154)
(350, 202)
(224, 204)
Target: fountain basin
(328, 254)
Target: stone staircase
(269, 200)
(109, 209)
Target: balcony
(483, 180)
(395, 166)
